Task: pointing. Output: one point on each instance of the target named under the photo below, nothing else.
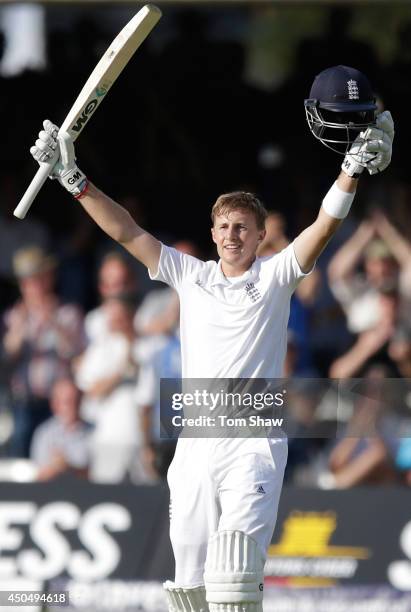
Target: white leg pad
(241, 607)
(181, 599)
(234, 573)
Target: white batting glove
(357, 158)
(379, 141)
(57, 150)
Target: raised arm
(117, 222)
(371, 150)
(112, 218)
(311, 242)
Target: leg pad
(181, 599)
(234, 573)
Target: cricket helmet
(340, 106)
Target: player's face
(237, 237)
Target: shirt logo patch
(261, 490)
(252, 292)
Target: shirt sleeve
(174, 266)
(287, 270)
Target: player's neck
(231, 271)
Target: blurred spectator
(106, 373)
(42, 336)
(158, 313)
(372, 345)
(60, 445)
(386, 255)
(165, 363)
(399, 349)
(357, 460)
(14, 236)
(309, 427)
(363, 455)
(115, 277)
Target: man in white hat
(41, 338)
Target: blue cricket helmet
(340, 106)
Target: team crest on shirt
(252, 292)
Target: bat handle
(32, 190)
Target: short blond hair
(240, 200)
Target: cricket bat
(95, 90)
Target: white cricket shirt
(236, 327)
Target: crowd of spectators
(86, 336)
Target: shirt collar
(251, 275)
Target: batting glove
(357, 158)
(379, 141)
(57, 150)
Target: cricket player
(234, 314)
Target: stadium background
(212, 102)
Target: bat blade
(109, 68)
(95, 90)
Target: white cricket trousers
(222, 484)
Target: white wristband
(337, 203)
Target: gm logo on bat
(90, 107)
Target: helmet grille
(337, 130)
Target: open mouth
(233, 247)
